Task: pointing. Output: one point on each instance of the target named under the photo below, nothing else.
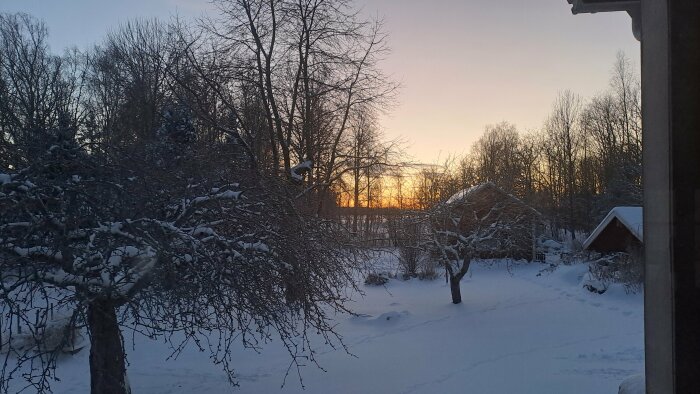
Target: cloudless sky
(463, 64)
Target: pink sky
(466, 64)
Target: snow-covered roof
(464, 193)
(630, 217)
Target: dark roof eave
(593, 6)
(632, 7)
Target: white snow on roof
(464, 193)
(630, 217)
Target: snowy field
(515, 332)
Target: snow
(299, 169)
(464, 193)
(225, 195)
(515, 332)
(630, 217)
(228, 194)
(38, 251)
(5, 178)
(203, 230)
(121, 252)
(633, 385)
(552, 244)
(258, 246)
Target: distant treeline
(294, 86)
(584, 160)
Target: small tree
(468, 229)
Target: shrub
(376, 279)
(410, 244)
(626, 268)
(428, 270)
(409, 258)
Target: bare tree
(36, 98)
(144, 219)
(185, 253)
(497, 156)
(611, 124)
(315, 67)
(562, 129)
(469, 228)
(434, 184)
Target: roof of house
(630, 217)
(464, 195)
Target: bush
(428, 270)
(57, 336)
(410, 243)
(626, 268)
(409, 259)
(376, 279)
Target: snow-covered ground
(515, 332)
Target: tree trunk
(355, 208)
(107, 363)
(456, 292)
